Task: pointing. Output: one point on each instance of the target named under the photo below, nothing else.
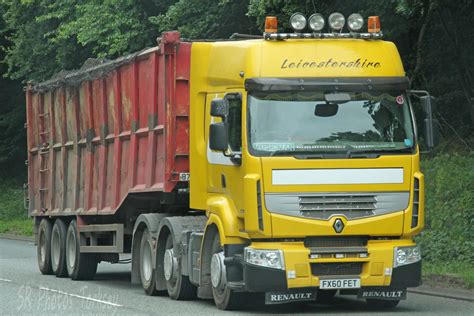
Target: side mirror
(431, 130)
(326, 109)
(220, 108)
(218, 137)
(428, 104)
(431, 126)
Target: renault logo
(338, 225)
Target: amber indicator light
(374, 24)
(270, 24)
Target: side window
(234, 121)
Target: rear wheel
(44, 246)
(179, 287)
(382, 304)
(147, 271)
(224, 297)
(58, 248)
(80, 266)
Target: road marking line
(5, 280)
(79, 296)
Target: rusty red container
(97, 135)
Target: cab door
(226, 173)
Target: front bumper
(377, 269)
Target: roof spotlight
(355, 21)
(336, 21)
(298, 22)
(316, 22)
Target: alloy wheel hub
(218, 272)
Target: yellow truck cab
(308, 164)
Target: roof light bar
(283, 36)
(316, 23)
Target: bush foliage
(449, 210)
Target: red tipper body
(100, 134)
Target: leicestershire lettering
(330, 63)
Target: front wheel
(80, 266)
(382, 304)
(224, 297)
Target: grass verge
(13, 216)
(456, 274)
(17, 226)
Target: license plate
(290, 296)
(339, 284)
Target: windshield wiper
(307, 154)
(283, 152)
(350, 153)
(376, 152)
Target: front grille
(312, 242)
(334, 203)
(346, 268)
(324, 205)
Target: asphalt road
(24, 291)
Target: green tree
(206, 18)
(12, 117)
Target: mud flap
(289, 296)
(383, 293)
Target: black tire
(325, 296)
(179, 288)
(80, 266)
(43, 249)
(58, 248)
(382, 304)
(226, 299)
(147, 270)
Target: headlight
(406, 255)
(265, 258)
(316, 22)
(355, 21)
(298, 22)
(336, 21)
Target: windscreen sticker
(400, 100)
(408, 142)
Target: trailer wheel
(224, 297)
(44, 246)
(147, 271)
(58, 248)
(382, 304)
(80, 266)
(179, 287)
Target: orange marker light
(271, 24)
(374, 24)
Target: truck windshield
(306, 123)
